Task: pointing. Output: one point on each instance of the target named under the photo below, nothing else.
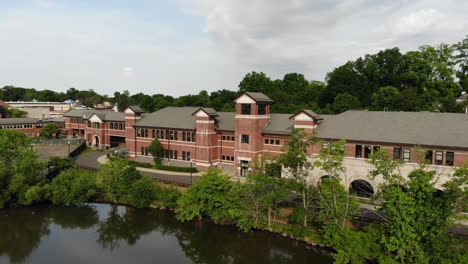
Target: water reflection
(117, 234)
(22, 228)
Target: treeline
(427, 79)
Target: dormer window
(246, 109)
(262, 109)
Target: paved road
(89, 160)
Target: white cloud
(313, 37)
(51, 45)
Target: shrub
(167, 195)
(175, 168)
(207, 197)
(73, 187)
(117, 176)
(142, 192)
(297, 216)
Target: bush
(175, 168)
(167, 195)
(73, 187)
(142, 192)
(208, 197)
(297, 216)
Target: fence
(57, 141)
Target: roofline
(304, 111)
(397, 143)
(246, 93)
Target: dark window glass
(233, 138)
(439, 157)
(397, 153)
(224, 137)
(376, 149)
(224, 157)
(232, 158)
(176, 134)
(245, 109)
(142, 150)
(367, 151)
(167, 135)
(266, 141)
(188, 155)
(245, 139)
(358, 151)
(262, 109)
(277, 142)
(184, 137)
(407, 155)
(175, 154)
(111, 125)
(428, 156)
(449, 158)
(193, 137)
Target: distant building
(3, 107)
(42, 110)
(463, 98)
(31, 126)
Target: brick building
(31, 126)
(233, 140)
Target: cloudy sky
(178, 47)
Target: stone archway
(361, 188)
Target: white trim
(303, 117)
(204, 121)
(245, 99)
(242, 158)
(201, 113)
(304, 126)
(252, 116)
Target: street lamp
(69, 148)
(191, 181)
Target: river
(101, 233)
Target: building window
(358, 151)
(188, 136)
(428, 156)
(397, 153)
(175, 154)
(245, 139)
(188, 155)
(176, 135)
(406, 155)
(367, 151)
(167, 134)
(266, 141)
(439, 157)
(449, 158)
(224, 157)
(232, 158)
(183, 155)
(193, 137)
(96, 125)
(246, 109)
(111, 125)
(277, 142)
(224, 137)
(262, 109)
(375, 149)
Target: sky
(179, 47)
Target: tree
(386, 98)
(156, 149)
(50, 130)
(207, 197)
(255, 82)
(20, 170)
(142, 192)
(73, 187)
(344, 102)
(296, 159)
(258, 199)
(336, 206)
(461, 59)
(416, 215)
(117, 176)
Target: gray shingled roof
(25, 120)
(418, 128)
(279, 124)
(226, 121)
(136, 109)
(170, 117)
(106, 115)
(259, 97)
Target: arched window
(361, 188)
